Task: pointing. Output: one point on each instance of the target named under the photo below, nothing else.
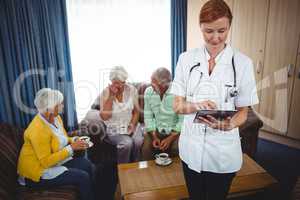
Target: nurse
(213, 76)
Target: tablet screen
(218, 114)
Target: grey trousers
(128, 147)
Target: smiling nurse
(214, 76)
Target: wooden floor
(280, 139)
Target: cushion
(92, 125)
(96, 104)
(141, 87)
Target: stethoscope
(231, 91)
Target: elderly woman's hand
(131, 128)
(79, 145)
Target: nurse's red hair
(213, 10)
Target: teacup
(85, 138)
(161, 158)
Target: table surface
(149, 181)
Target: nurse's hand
(206, 105)
(224, 125)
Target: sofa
(296, 190)
(11, 140)
(102, 155)
(248, 131)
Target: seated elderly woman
(119, 111)
(46, 155)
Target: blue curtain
(34, 53)
(178, 30)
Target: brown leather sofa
(11, 140)
(296, 190)
(248, 131)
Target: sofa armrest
(101, 151)
(253, 121)
(249, 133)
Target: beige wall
(194, 36)
(256, 25)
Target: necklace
(212, 61)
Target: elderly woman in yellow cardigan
(46, 155)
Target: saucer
(165, 163)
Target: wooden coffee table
(145, 180)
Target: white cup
(85, 138)
(162, 158)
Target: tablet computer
(218, 114)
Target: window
(106, 33)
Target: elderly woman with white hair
(119, 111)
(46, 156)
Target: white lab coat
(203, 148)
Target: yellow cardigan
(40, 149)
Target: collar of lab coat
(224, 57)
